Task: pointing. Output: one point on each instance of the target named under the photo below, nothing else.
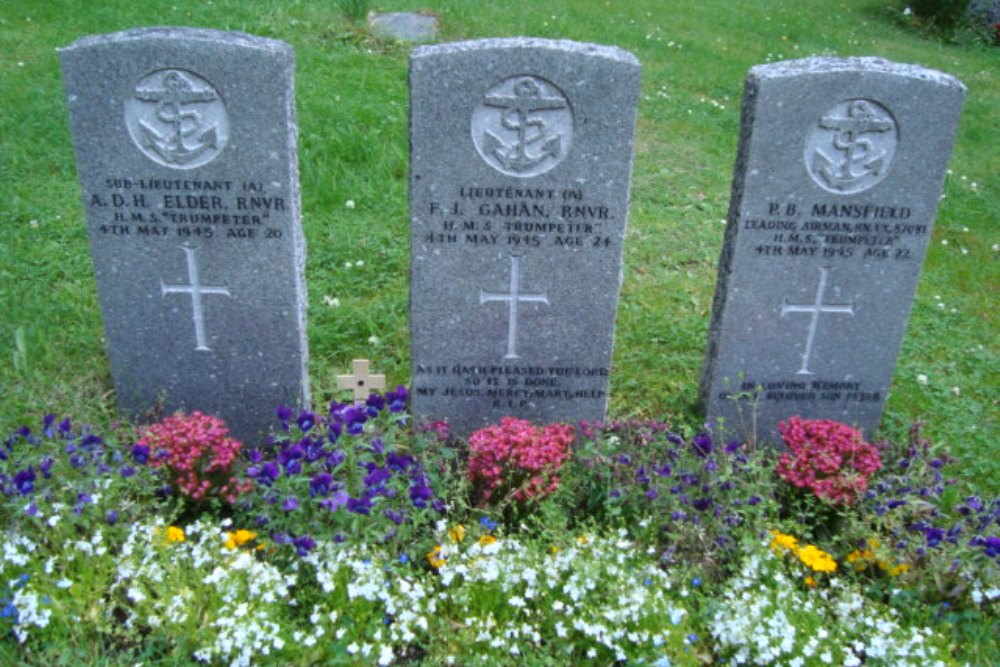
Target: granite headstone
(521, 157)
(839, 171)
(185, 145)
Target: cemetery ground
(116, 574)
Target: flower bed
(351, 537)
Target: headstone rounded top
(181, 33)
(827, 64)
(568, 46)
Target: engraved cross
(512, 299)
(195, 289)
(815, 309)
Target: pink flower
(827, 457)
(199, 454)
(515, 458)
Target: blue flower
(303, 545)
(140, 454)
(361, 505)
(24, 481)
(284, 414)
(320, 484)
(306, 421)
(488, 523)
(397, 399)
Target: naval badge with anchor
(851, 148)
(523, 126)
(177, 119)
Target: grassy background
(352, 110)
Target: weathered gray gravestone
(185, 145)
(521, 155)
(836, 186)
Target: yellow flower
(457, 533)
(175, 534)
(583, 540)
(486, 540)
(781, 541)
(553, 550)
(899, 569)
(817, 559)
(810, 581)
(435, 559)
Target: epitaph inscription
(185, 144)
(832, 209)
(519, 202)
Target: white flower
(373, 340)
(331, 301)
(349, 203)
(922, 379)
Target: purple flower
(126, 471)
(395, 517)
(377, 476)
(335, 502)
(335, 458)
(397, 399)
(303, 545)
(652, 494)
(991, 546)
(284, 414)
(753, 500)
(320, 484)
(361, 505)
(111, 517)
(24, 481)
(375, 403)
(663, 471)
(702, 504)
(702, 444)
(306, 421)
(420, 493)
(140, 454)
(398, 462)
(291, 504)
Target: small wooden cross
(360, 381)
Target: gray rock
(836, 186)
(405, 26)
(185, 146)
(521, 157)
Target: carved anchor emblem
(523, 126)
(177, 133)
(863, 143)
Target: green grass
(352, 111)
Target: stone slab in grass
(186, 153)
(405, 26)
(840, 168)
(521, 158)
